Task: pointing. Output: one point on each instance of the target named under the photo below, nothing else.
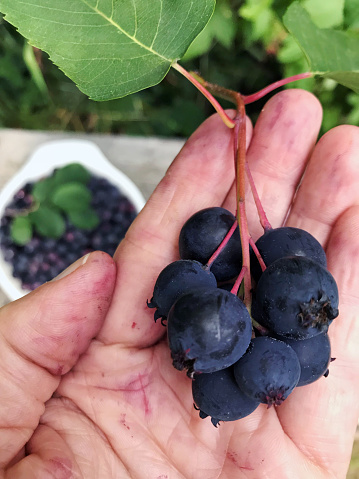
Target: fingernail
(73, 267)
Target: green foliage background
(244, 47)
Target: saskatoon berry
(269, 371)
(208, 330)
(42, 258)
(218, 395)
(176, 279)
(314, 357)
(201, 235)
(286, 241)
(295, 298)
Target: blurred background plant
(244, 47)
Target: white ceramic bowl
(41, 164)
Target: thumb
(42, 336)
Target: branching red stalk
(240, 156)
(261, 93)
(261, 213)
(222, 245)
(257, 253)
(241, 169)
(238, 281)
(225, 118)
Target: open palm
(114, 405)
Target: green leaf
(48, 222)
(72, 172)
(34, 69)
(330, 53)
(290, 51)
(200, 45)
(86, 220)
(43, 189)
(72, 196)
(110, 48)
(221, 27)
(280, 6)
(21, 230)
(351, 14)
(353, 116)
(265, 25)
(224, 24)
(324, 13)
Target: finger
(47, 456)
(330, 183)
(283, 138)
(199, 177)
(327, 417)
(41, 338)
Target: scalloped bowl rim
(41, 163)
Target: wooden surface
(143, 160)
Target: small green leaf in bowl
(74, 172)
(48, 222)
(21, 230)
(73, 196)
(42, 189)
(87, 219)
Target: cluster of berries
(238, 359)
(43, 258)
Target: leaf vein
(43, 7)
(117, 82)
(158, 24)
(134, 39)
(135, 14)
(180, 27)
(102, 58)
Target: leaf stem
(261, 93)
(225, 118)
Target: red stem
(239, 125)
(261, 213)
(261, 93)
(240, 157)
(238, 281)
(222, 245)
(225, 118)
(257, 253)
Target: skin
(87, 385)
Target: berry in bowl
(66, 201)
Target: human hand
(122, 410)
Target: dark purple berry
(176, 279)
(201, 235)
(208, 330)
(218, 395)
(286, 241)
(268, 372)
(314, 356)
(295, 297)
